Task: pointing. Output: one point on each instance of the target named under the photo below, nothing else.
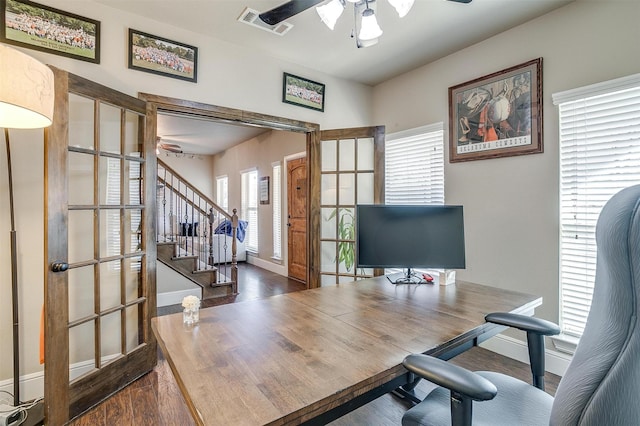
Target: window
(414, 166)
(249, 194)
(277, 210)
(599, 155)
(222, 192)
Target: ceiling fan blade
(287, 10)
(461, 1)
(171, 147)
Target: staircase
(186, 240)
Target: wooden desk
(289, 358)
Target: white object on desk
(447, 277)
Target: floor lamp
(26, 102)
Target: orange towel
(42, 336)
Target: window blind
(249, 194)
(277, 211)
(599, 155)
(222, 192)
(414, 166)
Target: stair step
(217, 290)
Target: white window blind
(249, 194)
(277, 211)
(414, 166)
(222, 192)
(599, 155)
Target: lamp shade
(402, 6)
(26, 91)
(370, 28)
(330, 12)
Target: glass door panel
(81, 293)
(81, 236)
(81, 127)
(132, 144)
(110, 128)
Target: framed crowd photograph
(39, 27)
(498, 115)
(162, 56)
(302, 92)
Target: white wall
(511, 204)
(227, 76)
(197, 171)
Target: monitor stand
(407, 276)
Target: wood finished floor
(155, 398)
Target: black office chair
(601, 387)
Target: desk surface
(288, 358)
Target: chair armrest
(536, 329)
(523, 322)
(452, 377)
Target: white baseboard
(175, 297)
(555, 362)
(269, 266)
(32, 385)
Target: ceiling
(201, 136)
(431, 30)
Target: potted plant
(346, 253)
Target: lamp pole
(14, 279)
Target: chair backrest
(602, 384)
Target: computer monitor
(409, 236)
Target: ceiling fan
(293, 7)
(171, 147)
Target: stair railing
(189, 218)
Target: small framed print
(264, 190)
(302, 92)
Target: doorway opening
(159, 108)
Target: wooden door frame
(156, 103)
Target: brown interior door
(297, 218)
(100, 277)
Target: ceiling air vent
(250, 17)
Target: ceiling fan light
(402, 6)
(366, 43)
(369, 27)
(330, 12)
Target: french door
(100, 277)
(351, 173)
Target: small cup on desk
(191, 310)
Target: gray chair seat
(518, 403)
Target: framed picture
(161, 56)
(498, 115)
(302, 92)
(35, 26)
(264, 190)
